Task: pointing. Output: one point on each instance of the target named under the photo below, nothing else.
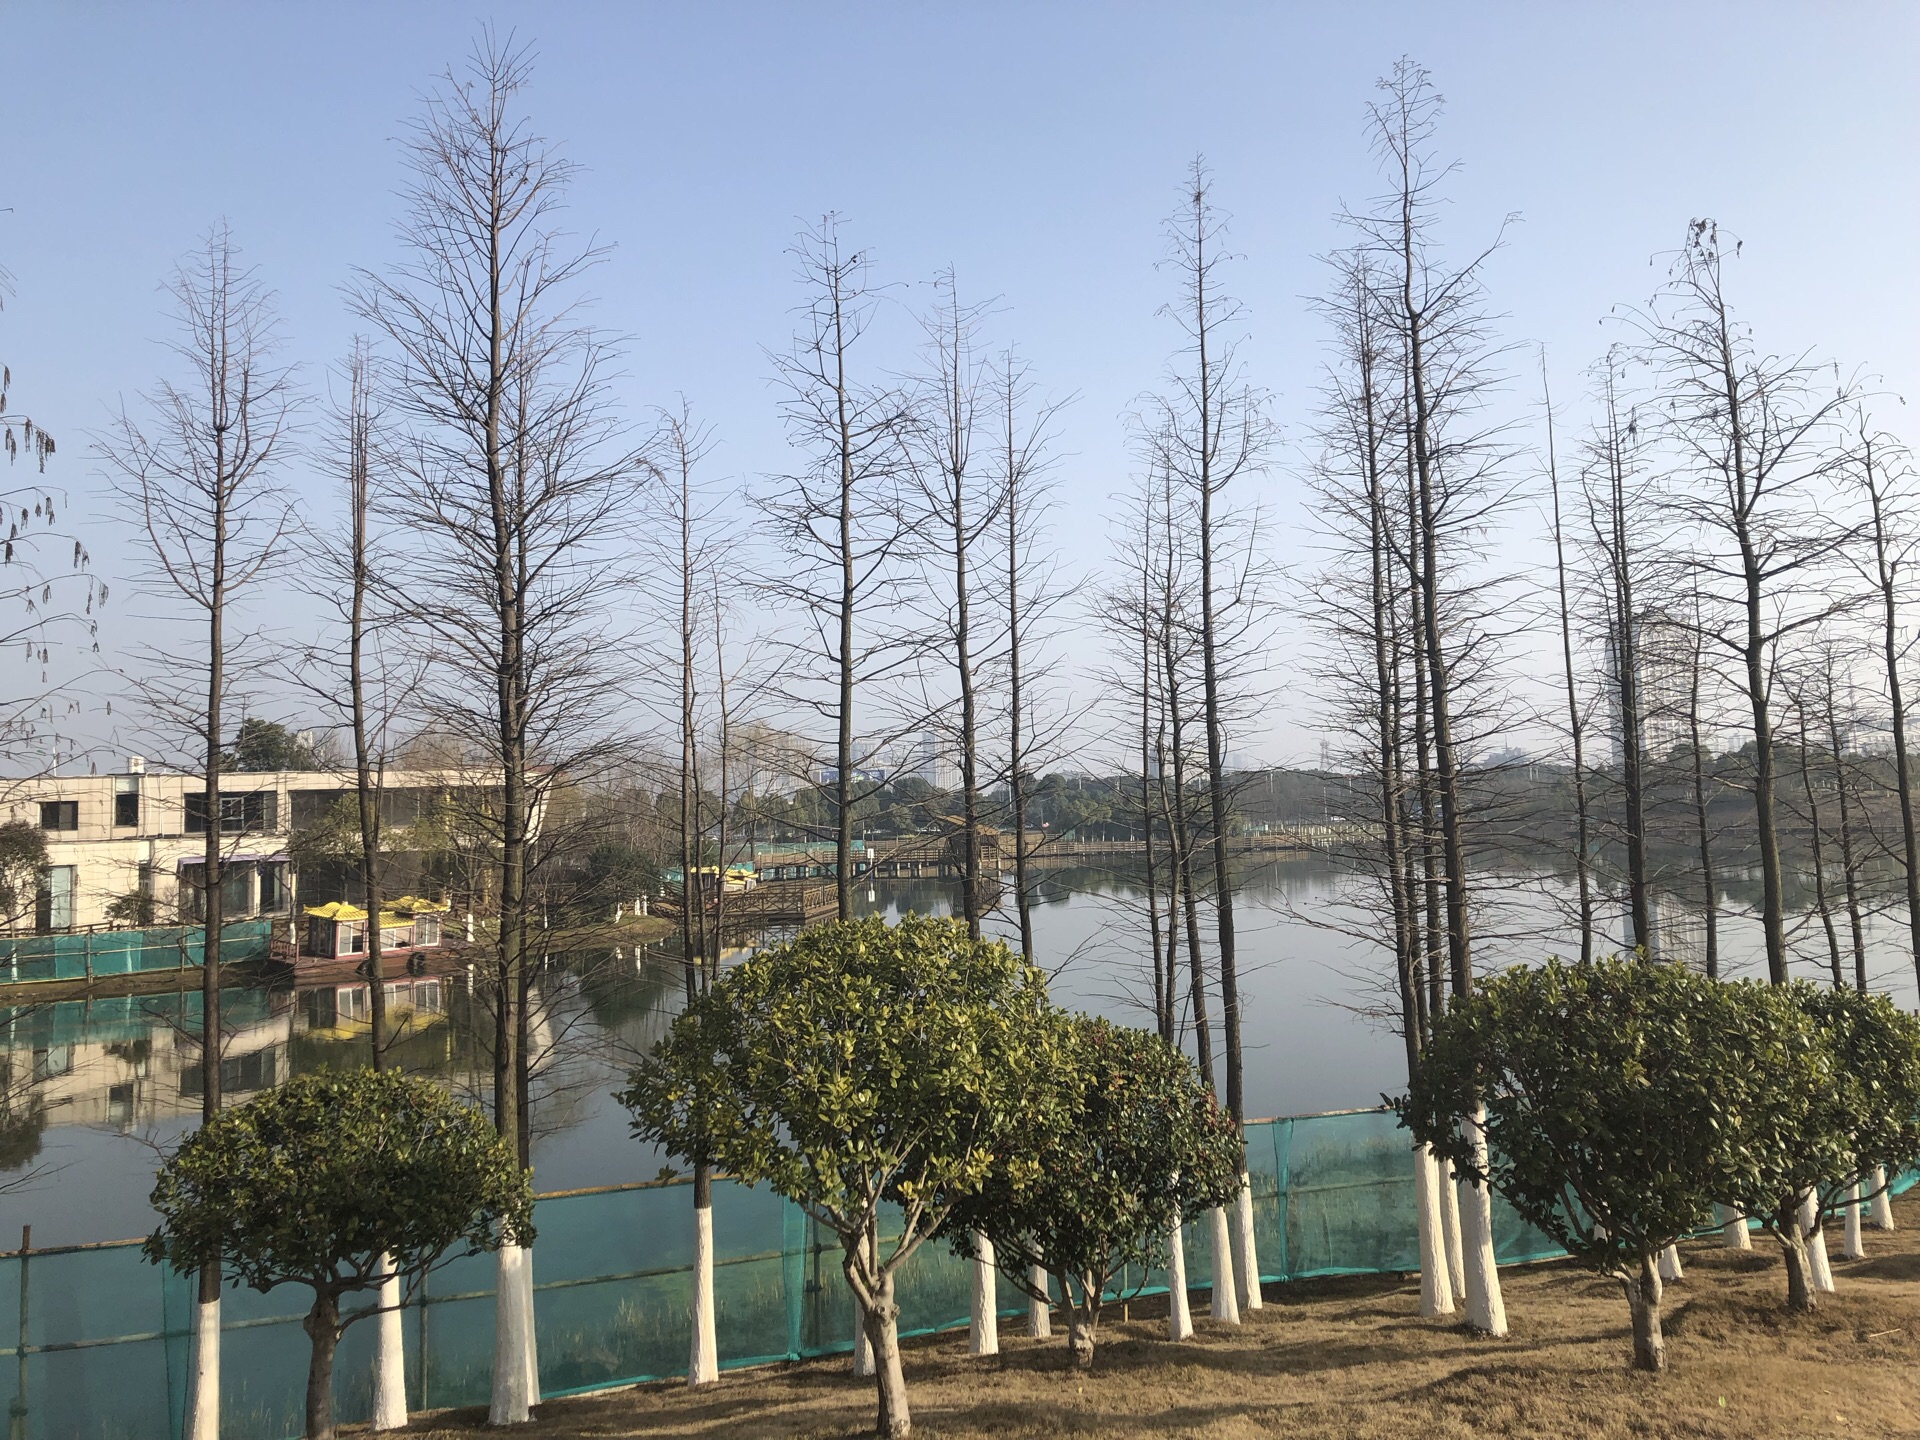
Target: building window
(126, 801)
(273, 887)
(53, 906)
(236, 889)
(59, 814)
(255, 810)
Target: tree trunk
(1643, 1298)
(323, 1333)
(703, 1360)
(1080, 1327)
(1799, 1278)
(203, 1396)
(1856, 1245)
(512, 1338)
(1670, 1267)
(863, 1351)
(1225, 1300)
(1818, 1270)
(892, 1422)
(1882, 1212)
(1486, 1310)
(1246, 1254)
(1450, 1228)
(983, 1321)
(389, 1353)
(1436, 1288)
(1734, 1234)
(1039, 1312)
(1179, 1313)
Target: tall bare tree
(838, 519)
(952, 511)
(1210, 432)
(1434, 311)
(1755, 434)
(1882, 474)
(513, 488)
(198, 467)
(1021, 465)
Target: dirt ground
(1351, 1358)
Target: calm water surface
(96, 1092)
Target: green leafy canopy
(856, 1063)
(312, 1181)
(1136, 1141)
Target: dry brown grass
(1351, 1358)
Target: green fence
(89, 954)
(101, 1349)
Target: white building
(139, 838)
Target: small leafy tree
(856, 1065)
(1138, 1142)
(23, 860)
(308, 1184)
(1831, 1080)
(1609, 1109)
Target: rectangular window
(236, 889)
(273, 887)
(239, 814)
(126, 809)
(59, 814)
(53, 907)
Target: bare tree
(1210, 433)
(838, 519)
(35, 572)
(1434, 312)
(1754, 433)
(1359, 601)
(952, 510)
(198, 470)
(512, 486)
(1023, 432)
(1621, 551)
(1882, 473)
(1576, 720)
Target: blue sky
(1034, 147)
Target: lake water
(95, 1091)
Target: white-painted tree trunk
(203, 1393)
(1246, 1253)
(1670, 1267)
(1881, 1216)
(703, 1357)
(983, 1320)
(1856, 1244)
(1733, 1228)
(1819, 1271)
(512, 1338)
(1486, 1308)
(1436, 1287)
(1179, 1315)
(1039, 1314)
(1225, 1304)
(532, 1350)
(862, 1346)
(389, 1353)
(1450, 1229)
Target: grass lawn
(1351, 1358)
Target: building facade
(127, 849)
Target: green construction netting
(101, 1348)
(123, 952)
